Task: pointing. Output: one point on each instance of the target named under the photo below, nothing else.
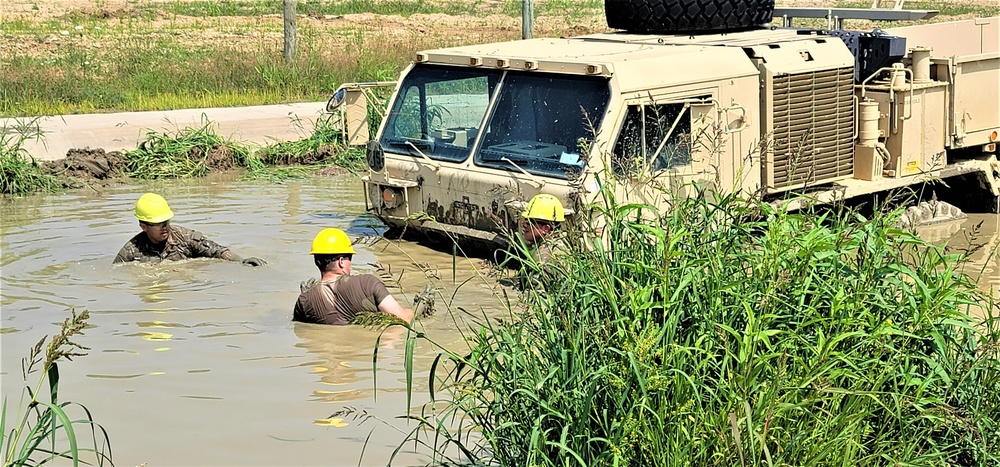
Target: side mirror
(336, 100)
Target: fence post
(289, 13)
(527, 18)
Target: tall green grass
(727, 332)
(20, 173)
(42, 429)
(210, 54)
(197, 151)
(190, 152)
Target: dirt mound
(90, 165)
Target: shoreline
(261, 124)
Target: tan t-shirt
(339, 300)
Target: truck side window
(654, 136)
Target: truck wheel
(687, 15)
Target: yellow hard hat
(332, 242)
(152, 208)
(544, 207)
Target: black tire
(687, 15)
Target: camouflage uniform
(547, 253)
(339, 300)
(183, 243)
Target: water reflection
(342, 364)
(978, 239)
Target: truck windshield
(540, 123)
(438, 111)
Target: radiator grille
(813, 125)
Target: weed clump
(20, 173)
(188, 152)
(42, 430)
(727, 332)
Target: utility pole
(527, 18)
(289, 13)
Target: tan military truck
(779, 112)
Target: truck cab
(472, 132)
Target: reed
(42, 430)
(190, 152)
(727, 332)
(20, 173)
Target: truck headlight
(392, 198)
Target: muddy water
(197, 362)
(978, 238)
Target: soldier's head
(154, 217)
(332, 251)
(541, 216)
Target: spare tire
(687, 15)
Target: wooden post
(289, 13)
(527, 18)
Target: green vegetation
(944, 8)
(20, 173)
(324, 144)
(155, 56)
(157, 73)
(194, 152)
(42, 430)
(188, 152)
(191, 152)
(342, 7)
(727, 332)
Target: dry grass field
(70, 56)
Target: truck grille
(813, 128)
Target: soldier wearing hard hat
(160, 240)
(539, 224)
(339, 297)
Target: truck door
(663, 149)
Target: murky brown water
(197, 362)
(979, 236)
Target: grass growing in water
(20, 173)
(40, 426)
(193, 152)
(704, 337)
(190, 152)
(324, 144)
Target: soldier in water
(160, 240)
(338, 297)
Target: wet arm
(391, 306)
(205, 248)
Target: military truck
(653, 111)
